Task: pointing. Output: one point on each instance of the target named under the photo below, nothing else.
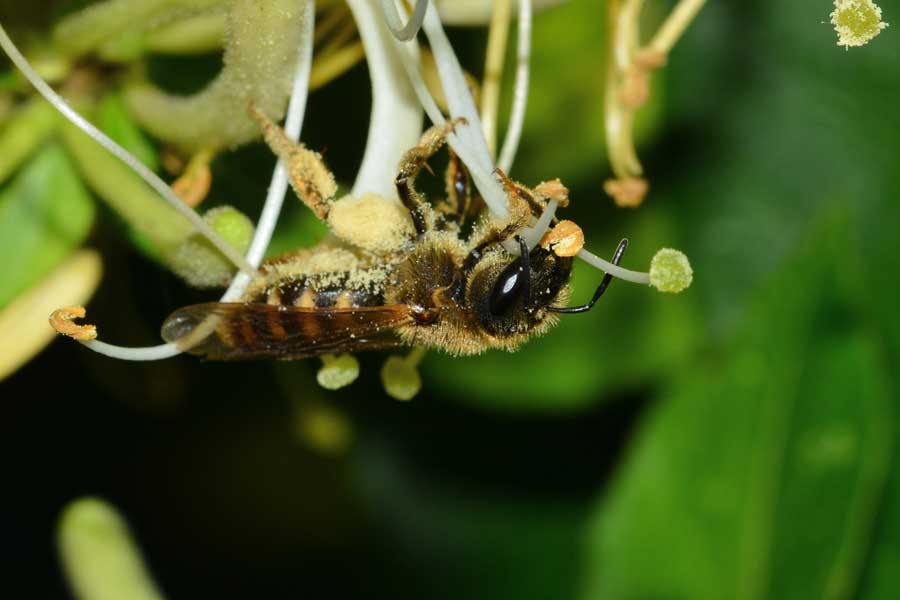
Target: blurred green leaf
(297, 228)
(879, 248)
(23, 133)
(759, 477)
(116, 122)
(124, 191)
(565, 104)
(45, 213)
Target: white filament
(614, 270)
(402, 32)
(151, 178)
(271, 209)
(461, 104)
(268, 219)
(520, 89)
(534, 234)
(469, 143)
(396, 117)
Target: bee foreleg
(410, 165)
(310, 178)
(498, 233)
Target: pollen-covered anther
(309, 176)
(61, 320)
(372, 222)
(856, 21)
(400, 375)
(628, 192)
(670, 271)
(337, 371)
(566, 239)
(554, 190)
(200, 264)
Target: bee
(392, 273)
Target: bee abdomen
(302, 294)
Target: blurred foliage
(737, 440)
(759, 475)
(45, 214)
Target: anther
(61, 320)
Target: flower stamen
(62, 320)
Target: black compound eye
(514, 281)
(508, 288)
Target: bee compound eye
(510, 285)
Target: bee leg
(604, 283)
(410, 165)
(459, 193)
(497, 235)
(310, 178)
(514, 189)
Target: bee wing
(232, 331)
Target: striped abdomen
(227, 331)
(307, 292)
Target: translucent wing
(234, 331)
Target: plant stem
(674, 26)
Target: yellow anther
(61, 320)
(566, 239)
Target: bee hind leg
(410, 166)
(310, 178)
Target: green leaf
(116, 122)
(759, 477)
(879, 249)
(297, 228)
(159, 224)
(45, 213)
(23, 134)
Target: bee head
(509, 297)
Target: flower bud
(100, 557)
(199, 263)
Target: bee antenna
(604, 283)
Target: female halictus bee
(392, 273)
